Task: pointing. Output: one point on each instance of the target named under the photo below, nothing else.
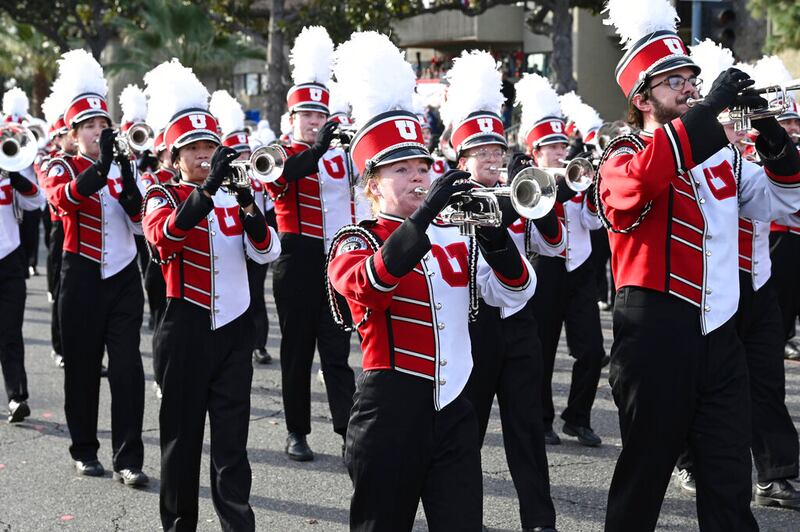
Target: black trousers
(12, 309)
(306, 322)
(204, 371)
(54, 253)
(156, 288)
(29, 235)
(785, 255)
(98, 314)
(256, 275)
(142, 255)
(601, 254)
(507, 360)
(400, 450)
(775, 446)
(671, 385)
(569, 298)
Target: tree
(167, 29)
(784, 16)
(73, 23)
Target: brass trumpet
(578, 174)
(532, 193)
(743, 116)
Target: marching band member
(100, 296)
(774, 439)
(439, 165)
(18, 192)
(670, 198)
(313, 200)
(506, 351)
(63, 143)
(567, 291)
(785, 236)
(410, 282)
(201, 231)
(15, 109)
(230, 117)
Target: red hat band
(591, 136)
(237, 140)
(388, 137)
(308, 97)
(657, 52)
(84, 107)
(59, 127)
(342, 118)
(190, 126)
(158, 142)
(550, 130)
(478, 129)
(570, 129)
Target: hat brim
(403, 154)
(195, 137)
(317, 108)
(483, 140)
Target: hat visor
(403, 154)
(316, 107)
(483, 140)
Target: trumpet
(18, 147)
(39, 130)
(136, 139)
(532, 193)
(265, 164)
(778, 104)
(578, 174)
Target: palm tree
(168, 29)
(28, 57)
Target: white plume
(537, 98)
(418, 101)
(747, 68)
(172, 88)
(227, 111)
(770, 70)
(373, 72)
(264, 132)
(712, 59)
(338, 101)
(15, 103)
(134, 104)
(81, 73)
(585, 117)
(56, 103)
(475, 85)
(312, 56)
(286, 125)
(633, 19)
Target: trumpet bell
(138, 136)
(18, 148)
(533, 193)
(266, 163)
(579, 174)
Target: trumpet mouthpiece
(420, 191)
(205, 164)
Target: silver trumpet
(136, 139)
(778, 102)
(578, 174)
(39, 129)
(265, 164)
(532, 193)
(18, 147)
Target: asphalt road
(39, 489)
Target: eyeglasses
(677, 83)
(485, 154)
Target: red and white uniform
(158, 177)
(439, 167)
(418, 323)
(579, 216)
(685, 245)
(208, 268)
(754, 251)
(10, 201)
(317, 205)
(95, 227)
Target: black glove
(147, 162)
(131, 197)
(563, 192)
(244, 197)
(324, 138)
(518, 162)
(725, 90)
(255, 225)
(19, 183)
(220, 169)
(439, 196)
(107, 140)
(492, 238)
(773, 134)
(548, 224)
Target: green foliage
(785, 18)
(167, 29)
